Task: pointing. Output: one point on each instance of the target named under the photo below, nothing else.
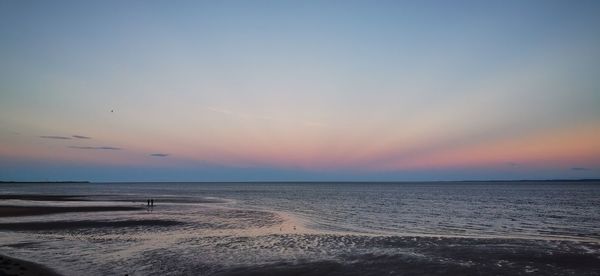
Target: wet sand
(363, 255)
(12, 266)
(19, 211)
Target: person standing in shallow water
(148, 203)
(152, 202)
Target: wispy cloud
(55, 137)
(81, 137)
(513, 164)
(579, 169)
(95, 148)
(159, 154)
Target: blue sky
(299, 90)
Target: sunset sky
(299, 90)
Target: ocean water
(444, 228)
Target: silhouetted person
(148, 202)
(152, 202)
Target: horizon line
(315, 181)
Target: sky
(299, 90)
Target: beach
(221, 230)
(12, 266)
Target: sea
(312, 228)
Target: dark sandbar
(19, 211)
(37, 197)
(44, 197)
(12, 266)
(68, 225)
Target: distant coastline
(45, 182)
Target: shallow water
(315, 228)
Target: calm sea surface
(229, 228)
